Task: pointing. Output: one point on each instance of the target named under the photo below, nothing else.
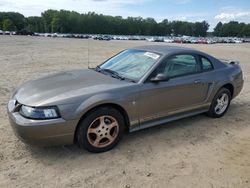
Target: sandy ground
(193, 152)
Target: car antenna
(88, 54)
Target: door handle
(197, 81)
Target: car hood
(62, 87)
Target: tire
(100, 130)
(214, 111)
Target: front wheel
(100, 130)
(220, 103)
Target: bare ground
(193, 152)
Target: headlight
(39, 112)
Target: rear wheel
(100, 130)
(220, 103)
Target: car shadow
(188, 131)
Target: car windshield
(131, 64)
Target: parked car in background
(168, 40)
(236, 40)
(150, 39)
(24, 32)
(158, 39)
(102, 37)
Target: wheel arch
(230, 87)
(112, 105)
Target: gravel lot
(193, 152)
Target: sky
(212, 11)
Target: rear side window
(178, 65)
(206, 64)
(181, 65)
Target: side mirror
(159, 78)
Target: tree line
(232, 29)
(63, 21)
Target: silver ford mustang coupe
(137, 88)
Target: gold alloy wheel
(103, 131)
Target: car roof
(166, 49)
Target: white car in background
(168, 40)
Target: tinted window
(206, 64)
(179, 65)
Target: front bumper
(42, 132)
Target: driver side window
(179, 65)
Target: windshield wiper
(111, 72)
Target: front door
(184, 89)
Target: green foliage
(232, 29)
(245, 32)
(47, 17)
(217, 29)
(8, 25)
(18, 20)
(35, 24)
(72, 22)
(52, 21)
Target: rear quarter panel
(227, 74)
